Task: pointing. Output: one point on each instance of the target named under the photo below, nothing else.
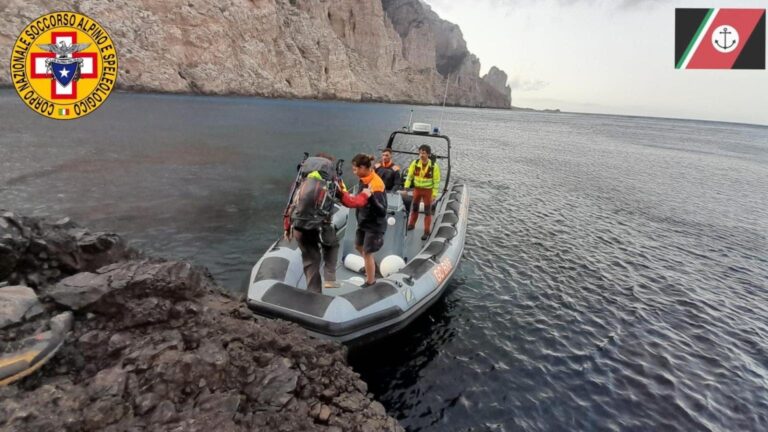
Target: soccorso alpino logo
(64, 65)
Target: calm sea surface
(615, 275)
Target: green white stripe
(697, 38)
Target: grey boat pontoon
(414, 273)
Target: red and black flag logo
(720, 38)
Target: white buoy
(391, 221)
(391, 264)
(355, 263)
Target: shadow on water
(395, 363)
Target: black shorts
(370, 241)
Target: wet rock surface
(157, 346)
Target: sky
(598, 56)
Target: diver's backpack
(313, 198)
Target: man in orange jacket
(371, 203)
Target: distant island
(546, 110)
(357, 50)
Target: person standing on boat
(308, 220)
(371, 205)
(424, 176)
(388, 170)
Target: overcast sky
(612, 57)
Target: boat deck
(350, 281)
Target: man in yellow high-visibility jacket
(424, 176)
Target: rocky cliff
(155, 345)
(390, 50)
(434, 44)
(498, 79)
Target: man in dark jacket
(388, 170)
(371, 203)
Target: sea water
(615, 275)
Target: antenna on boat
(410, 120)
(445, 98)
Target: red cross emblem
(38, 69)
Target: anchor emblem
(725, 39)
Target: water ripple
(615, 274)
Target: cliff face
(497, 78)
(438, 45)
(395, 50)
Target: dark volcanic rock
(36, 252)
(153, 287)
(279, 384)
(156, 346)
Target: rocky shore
(156, 345)
(358, 50)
